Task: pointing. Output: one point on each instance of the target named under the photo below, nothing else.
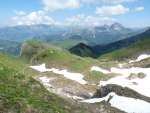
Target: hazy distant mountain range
(92, 35)
(122, 43)
(66, 37)
(93, 51)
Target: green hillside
(64, 60)
(21, 93)
(40, 52)
(142, 46)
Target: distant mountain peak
(82, 45)
(117, 26)
(113, 27)
(105, 27)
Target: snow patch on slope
(126, 104)
(140, 58)
(140, 85)
(41, 68)
(95, 68)
(72, 76)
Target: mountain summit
(117, 26)
(92, 35)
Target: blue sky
(132, 13)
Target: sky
(131, 13)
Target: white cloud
(41, 17)
(82, 20)
(32, 18)
(112, 10)
(53, 5)
(117, 1)
(139, 9)
(107, 1)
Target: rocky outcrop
(31, 48)
(122, 91)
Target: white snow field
(72, 76)
(140, 58)
(95, 68)
(141, 85)
(40, 68)
(129, 105)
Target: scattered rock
(134, 76)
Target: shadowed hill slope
(122, 43)
(134, 50)
(82, 50)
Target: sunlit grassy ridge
(61, 58)
(64, 60)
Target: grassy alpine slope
(20, 93)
